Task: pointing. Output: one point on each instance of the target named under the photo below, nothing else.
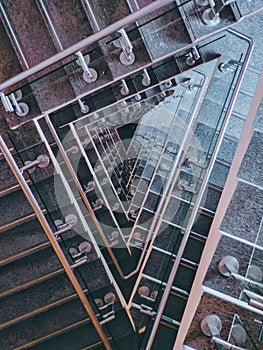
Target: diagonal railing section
(53, 242)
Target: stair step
(30, 283)
(20, 17)
(27, 235)
(81, 333)
(36, 298)
(234, 126)
(24, 270)
(9, 61)
(44, 325)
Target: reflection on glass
(240, 336)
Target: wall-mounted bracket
(90, 75)
(127, 56)
(42, 161)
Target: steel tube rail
(135, 4)
(6, 103)
(13, 36)
(146, 156)
(47, 229)
(251, 244)
(15, 104)
(115, 170)
(174, 172)
(202, 189)
(97, 181)
(255, 303)
(83, 64)
(84, 198)
(233, 300)
(226, 345)
(112, 255)
(169, 179)
(90, 12)
(119, 140)
(156, 166)
(86, 42)
(30, 165)
(43, 7)
(253, 295)
(249, 281)
(86, 202)
(82, 194)
(141, 151)
(118, 146)
(114, 145)
(105, 170)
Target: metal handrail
(202, 189)
(105, 172)
(48, 231)
(86, 42)
(225, 344)
(90, 14)
(146, 249)
(86, 202)
(13, 36)
(83, 196)
(46, 15)
(166, 188)
(175, 170)
(157, 165)
(98, 183)
(112, 28)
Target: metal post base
(211, 325)
(255, 273)
(224, 68)
(24, 109)
(124, 88)
(138, 97)
(125, 60)
(239, 335)
(71, 220)
(227, 265)
(190, 61)
(146, 80)
(209, 18)
(168, 83)
(89, 75)
(90, 78)
(202, 2)
(83, 107)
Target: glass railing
(187, 183)
(70, 78)
(104, 116)
(133, 110)
(189, 206)
(59, 201)
(240, 335)
(70, 147)
(64, 82)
